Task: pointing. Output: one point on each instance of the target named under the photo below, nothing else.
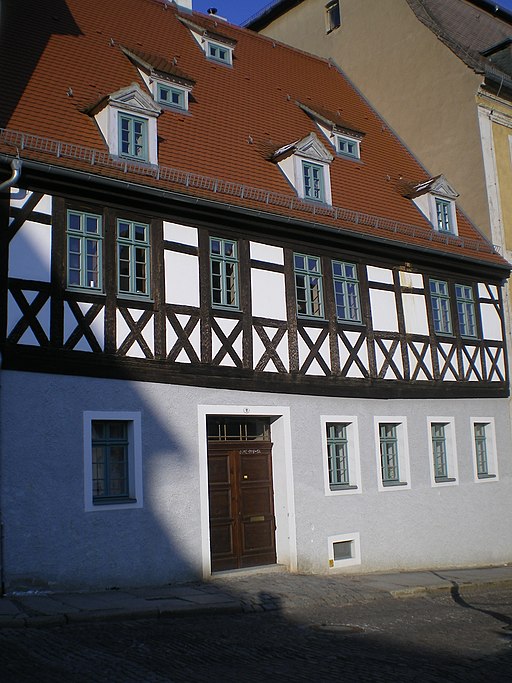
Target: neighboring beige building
(438, 71)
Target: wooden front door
(242, 523)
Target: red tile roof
(73, 57)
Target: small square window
(218, 52)
(333, 15)
(172, 96)
(344, 550)
(347, 146)
(133, 137)
(113, 460)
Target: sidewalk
(240, 591)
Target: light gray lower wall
(51, 541)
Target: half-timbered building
(240, 324)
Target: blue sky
(236, 11)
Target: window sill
(444, 480)
(342, 487)
(486, 476)
(113, 501)
(394, 483)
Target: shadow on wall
(50, 539)
(18, 63)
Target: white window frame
(492, 455)
(354, 455)
(404, 468)
(451, 451)
(433, 199)
(354, 538)
(299, 178)
(134, 460)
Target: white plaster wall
(268, 294)
(184, 234)
(415, 314)
(375, 274)
(383, 307)
(50, 540)
(181, 279)
(491, 323)
(265, 252)
(30, 252)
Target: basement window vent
(344, 550)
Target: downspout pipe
(16, 165)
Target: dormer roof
(309, 147)
(437, 185)
(131, 98)
(158, 66)
(332, 120)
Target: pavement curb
(414, 591)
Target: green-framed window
(440, 298)
(346, 291)
(133, 137)
(308, 285)
(313, 175)
(482, 461)
(439, 450)
(133, 259)
(466, 310)
(218, 52)
(84, 250)
(224, 273)
(389, 456)
(347, 146)
(338, 455)
(110, 465)
(171, 95)
(444, 215)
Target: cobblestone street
(462, 636)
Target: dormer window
(313, 175)
(168, 83)
(172, 95)
(305, 164)
(435, 198)
(217, 47)
(444, 215)
(133, 137)
(218, 52)
(127, 120)
(347, 146)
(341, 134)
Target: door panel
(242, 523)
